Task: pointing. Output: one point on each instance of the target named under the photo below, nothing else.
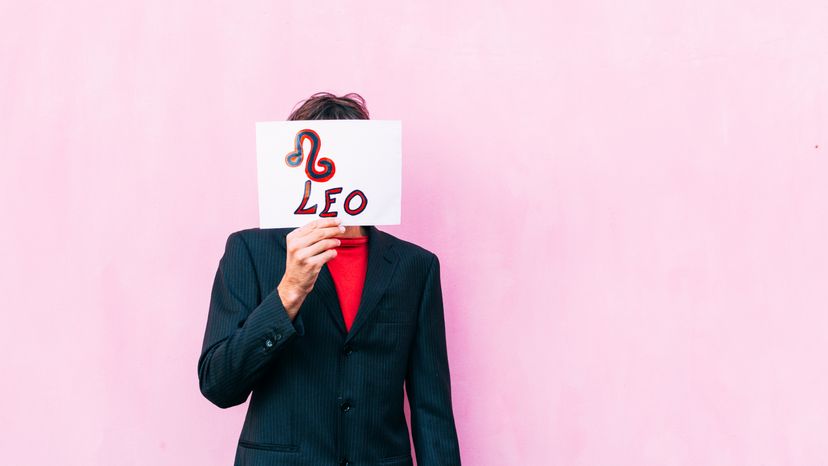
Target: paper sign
(347, 169)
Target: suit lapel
(326, 291)
(381, 265)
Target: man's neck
(354, 231)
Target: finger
(293, 233)
(303, 229)
(307, 228)
(319, 223)
(320, 259)
(317, 235)
(317, 248)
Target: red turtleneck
(348, 272)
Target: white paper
(367, 165)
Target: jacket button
(268, 343)
(345, 407)
(278, 336)
(344, 462)
(347, 349)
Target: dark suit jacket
(321, 395)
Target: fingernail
(341, 228)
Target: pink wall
(634, 264)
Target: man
(324, 325)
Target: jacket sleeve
(242, 334)
(428, 384)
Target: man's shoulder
(253, 237)
(256, 233)
(410, 250)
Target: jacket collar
(382, 261)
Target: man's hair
(326, 106)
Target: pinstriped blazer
(321, 395)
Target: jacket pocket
(269, 446)
(394, 314)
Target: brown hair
(327, 106)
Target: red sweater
(348, 272)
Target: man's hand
(308, 248)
